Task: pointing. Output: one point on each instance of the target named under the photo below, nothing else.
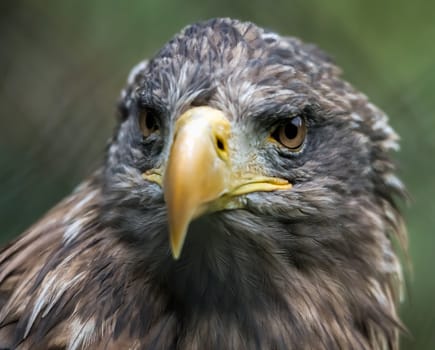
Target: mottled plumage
(312, 267)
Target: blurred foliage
(62, 65)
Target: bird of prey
(247, 201)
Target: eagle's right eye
(148, 122)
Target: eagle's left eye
(291, 134)
(148, 122)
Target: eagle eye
(148, 122)
(291, 134)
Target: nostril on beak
(220, 144)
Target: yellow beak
(199, 176)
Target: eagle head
(247, 201)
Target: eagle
(247, 200)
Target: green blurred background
(62, 65)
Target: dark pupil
(291, 128)
(150, 122)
